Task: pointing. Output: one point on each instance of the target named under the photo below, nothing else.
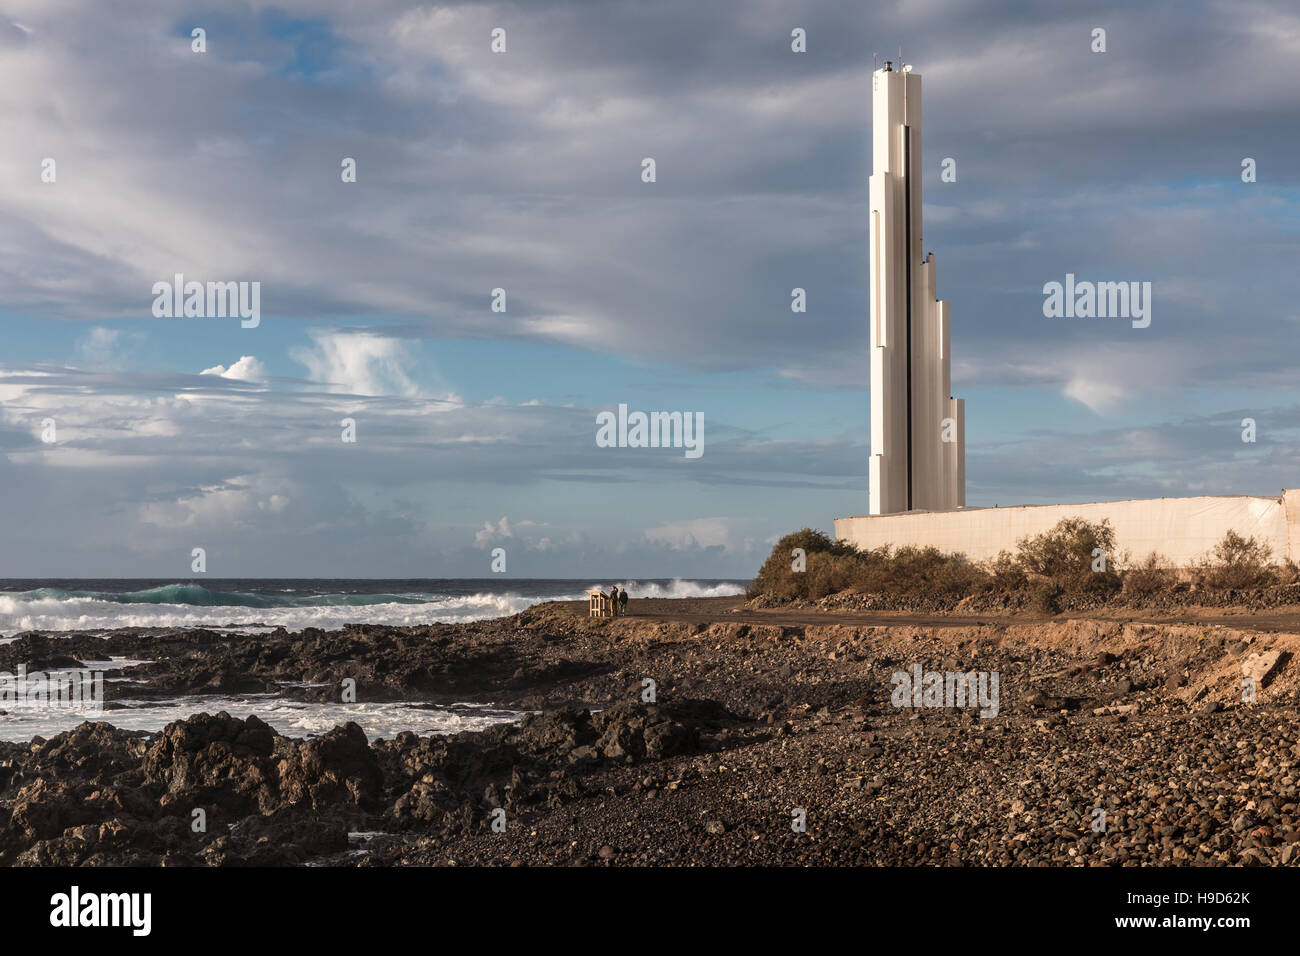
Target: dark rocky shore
(752, 727)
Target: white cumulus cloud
(358, 363)
(247, 369)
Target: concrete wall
(1180, 530)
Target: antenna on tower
(874, 57)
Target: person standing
(613, 600)
(622, 602)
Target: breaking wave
(184, 605)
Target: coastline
(751, 722)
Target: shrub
(1005, 573)
(1148, 577)
(777, 576)
(827, 574)
(920, 571)
(1064, 554)
(1046, 598)
(1236, 562)
(1046, 567)
(1289, 573)
(833, 566)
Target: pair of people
(618, 599)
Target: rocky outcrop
(215, 761)
(223, 791)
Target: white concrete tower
(918, 430)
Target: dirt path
(712, 610)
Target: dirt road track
(713, 610)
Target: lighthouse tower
(918, 430)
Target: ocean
(252, 605)
(263, 603)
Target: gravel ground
(764, 744)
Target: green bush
(833, 566)
(777, 577)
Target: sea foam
(190, 605)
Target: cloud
(514, 171)
(702, 534)
(247, 369)
(503, 531)
(233, 504)
(359, 363)
(101, 348)
(256, 473)
(161, 463)
(491, 533)
(1099, 395)
(521, 172)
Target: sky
(522, 171)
